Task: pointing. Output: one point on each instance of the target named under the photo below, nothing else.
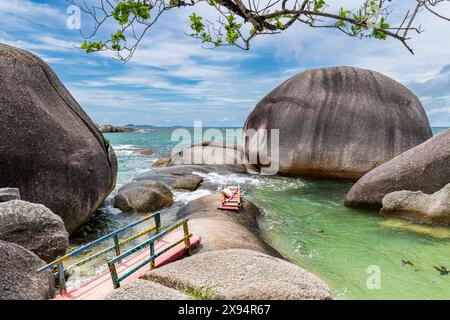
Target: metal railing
(153, 255)
(58, 263)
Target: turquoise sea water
(307, 222)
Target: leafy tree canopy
(238, 22)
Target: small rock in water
(431, 209)
(143, 196)
(8, 194)
(423, 168)
(144, 153)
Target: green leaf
(196, 24)
(92, 46)
(319, 4)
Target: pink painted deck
(98, 287)
(232, 203)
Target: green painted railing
(152, 254)
(58, 267)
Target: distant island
(108, 128)
(140, 126)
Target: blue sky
(172, 80)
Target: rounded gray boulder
(179, 177)
(54, 153)
(218, 155)
(34, 227)
(143, 196)
(337, 123)
(433, 209)
(424, 168)
(19, 279)
(238, 274)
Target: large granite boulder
(143, 196)
(34, 227)
(8, 194)
(433, 209)
(145, 290)
(53, 151)
(424, 168)
(19, 279)
(336, 123)
(221, 229)
(238, 274)
(218, 155)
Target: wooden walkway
(100, 286)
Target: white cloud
(171, 74)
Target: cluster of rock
(149, 191)
(424, 168)
(362, 126)
(411, 186)
(357, 124)
(30, 236)
(57, 158)
(108, 128)
(232, 262)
